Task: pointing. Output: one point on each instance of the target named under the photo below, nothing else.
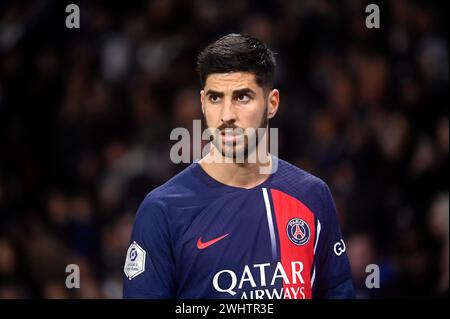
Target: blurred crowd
(86, 114)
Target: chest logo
(203, 245)
(298, 231)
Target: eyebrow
(212, 92)
(247, 91)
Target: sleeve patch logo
(339, 248)
(135, 262)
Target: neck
(244, 175)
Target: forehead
(231, 80)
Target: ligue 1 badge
(298, 231)
(135, 261)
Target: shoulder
(176, 189)
(299, 179)
(306, 187)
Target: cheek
(252, 116)
(212, 116)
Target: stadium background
(85, 117)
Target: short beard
(248, 149)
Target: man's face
(233, 103)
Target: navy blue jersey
(194, 237)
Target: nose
(228, 112)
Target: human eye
(214, 98)
(243, 98)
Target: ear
(202, 100)
(274, 101)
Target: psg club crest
(298, 231)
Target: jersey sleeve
(334, 278)
(149, 265)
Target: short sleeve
(333, 267)
(149, 265)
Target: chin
(237, 152)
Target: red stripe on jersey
(287, 208)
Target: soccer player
(224, 228)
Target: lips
(230, 137)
